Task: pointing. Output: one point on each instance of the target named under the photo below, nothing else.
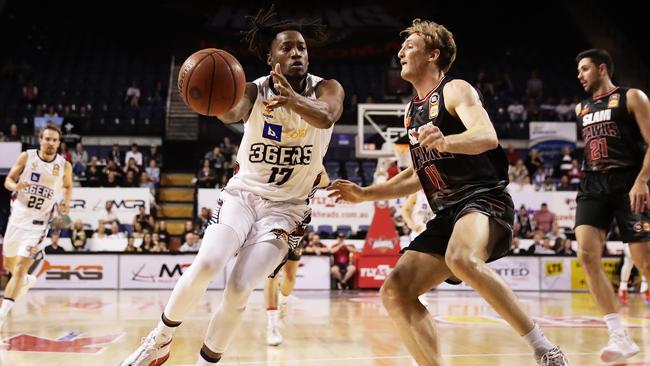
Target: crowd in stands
(218, 165)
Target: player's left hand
(639, 197)
(282, 86)
(64, 209)
(431, 138)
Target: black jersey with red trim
(612, 136)
(445, 177)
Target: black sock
(208, 358)
(169, 323)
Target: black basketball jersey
(611, 134)
(445, 177)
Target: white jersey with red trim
(281, 155)
(32, 207)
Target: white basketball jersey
(280, 155)
(32, 207)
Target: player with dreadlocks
(261, 213)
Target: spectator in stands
(130, 247)
(539, 177)
(575, 174)
(39, 112)
(191, 243)
(523, 223)
(567, 249)
(130, 180)
(541, 244)
(534, 86)
(216, 160)
(549, 185)
(30, 93)
(112, 180)
(485, 87)
(518, 173)
(144, 219)
(115, 155)
(512, 155)
(153, 171)
(517, 111)
(51, 112)
(515, 249)
(161, 230)
(546, 248)
(202, 219)
(533, 112)
(147, 243)
(132, 166)
(78, 236)
(145, 182)
(84, 119)
(63, 151)
(315, 246)
(79, 160)
(564, 111)
(108, 216)
(534, 160)
(13, 135)
(138, 231)
(227, 148)
(116, 233)
(342, 268)
(62, 223)
(222, 183)
(133, 95)
(100, 233)
(158, 245)
(135, 154)
(154, 154)
(54, 246)
(206, 177)
(158, 95)
(188, 228)
(565, 164)
(543, 219)
(564, 184)
(504, 87)
(112, 170)
(392, 170)
(556, 233)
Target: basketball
(211, 81)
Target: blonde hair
(436, 36)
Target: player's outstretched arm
(241, 111)
(321, 112)
(462, 100)
(64, 207)
(403, 184)
(639, 106)
(11, 182)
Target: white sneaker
(30, 281)
(619, 347)
(152, 352)
(554, 357)
(273, 336)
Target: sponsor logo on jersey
(35, 177)
(295, 134)
(280, 234)
(433, 106)
(613, 100)
(598, 116)
(55, 170)
(272, 132)
(34, 165)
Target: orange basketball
(211, 81)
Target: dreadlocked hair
(265, 25)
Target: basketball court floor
(91, 328)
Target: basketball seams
(189, 78)
(214, 70)
(232, 76)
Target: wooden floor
(88, 328)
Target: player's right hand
(344, 190)
(21, 185)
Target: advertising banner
(374, 270)
(157, 271)
(77, 271)
(88, 204)
(313, 273)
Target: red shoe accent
(646, 297)
(160, 361)
(622, 294)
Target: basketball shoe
(553, 357)
(619, 347)
(154, 351)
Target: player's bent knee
(461, 262)
(590, 257)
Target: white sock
(282, 299)
(7, 304)
(273, 317)
(538, 341)
(614, 323)
(622, 286)
(165, 331)
(644, 285)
